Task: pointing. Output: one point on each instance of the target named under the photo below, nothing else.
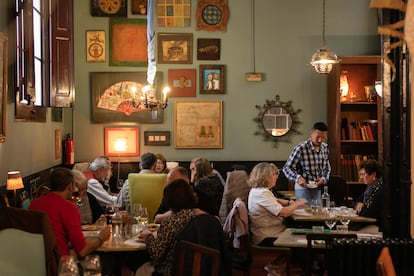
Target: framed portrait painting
(175, 48)
(212, 79)
(198, 124)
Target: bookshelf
(354, 115)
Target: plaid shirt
(305, 161)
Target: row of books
(366, 130)
(350, 164)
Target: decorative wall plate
(212, 15)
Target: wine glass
(143, 220)
(132, 230)
(330, 219)
(136, 211)
(344, 216)
(77, 198)
(91, 265)
(68, 266)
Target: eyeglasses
(277, 172)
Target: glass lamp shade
(14, 181)
(323, 60)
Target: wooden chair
(147, 189)
(327, 239)
(384, 264)
(198, 257)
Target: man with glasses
(308, 164)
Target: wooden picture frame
(128, 44)
(157, 138)
(109, 8)
(128, 135)
(95, 46)
(175, 48)
(208, 48)
(198, 124)
(105, 104)
(139, 7)
(182, 82)
(3, 86)
(212, 79)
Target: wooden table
(287, 194)
(288, 239)
(121, 246)
(306, 215)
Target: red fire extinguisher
(69, 150)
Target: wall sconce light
(324, 59)
(14, 182)
(378, 88)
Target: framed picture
(121, 141)
(175, 48)
(157, 138)
(128, 42)
(174, 13)
(139, 7)
(212, 79)
(3, 86)
(212, 15)
(182, 82)
(95, 46)
(109, 8)
(198, 124)
(208, 48)
(113, 98)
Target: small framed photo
(208, 48)
(121, 141)
(139, 7)
(175, 48)
(157, 138)
(212, 79)
(95, 46)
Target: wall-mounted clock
(109, 8)
(212, 15)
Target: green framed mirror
(277, 121)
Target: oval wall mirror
(277, 121)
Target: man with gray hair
(96, 174)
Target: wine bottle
(326, 198)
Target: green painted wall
(287, 34)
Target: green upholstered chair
(147, 189)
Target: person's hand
(144, 234)
(320, 181)
(105, 233)
(301, 202)
(302, 181)
(358, 207)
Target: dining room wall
(287, 33)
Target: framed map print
(198, 124)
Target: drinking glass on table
(143, 220)
(344, 215)
(91, 265)
(68, 266)
(136, 211)
(330, 219)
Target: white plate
(87, 234)
(312, 185)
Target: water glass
(68, 266)
(117, 229)
(132, 230)
(315, 205)
(91, 266)
(330, 219)
(344, 216)
(143, 220)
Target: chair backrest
(28, 245)
(198, 257)
(384, 264)
(147, 189)
(21, 253)
(236, 187)
(338, 190)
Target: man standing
(309, 161)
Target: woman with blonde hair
(266, 212)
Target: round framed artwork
(212, 15)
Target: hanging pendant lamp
(324, 59)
